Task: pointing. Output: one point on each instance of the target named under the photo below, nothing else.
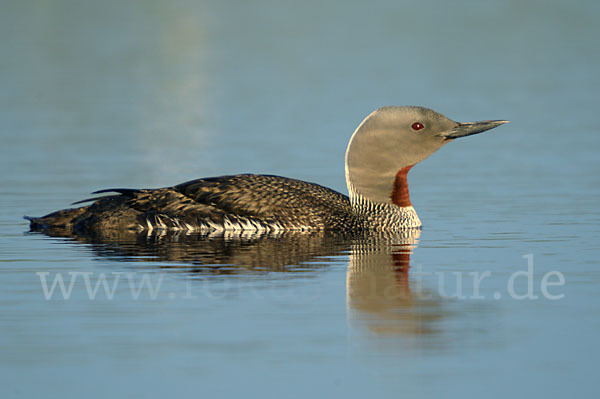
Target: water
(147, 94)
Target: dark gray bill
(469, 128)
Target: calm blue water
(153, 93)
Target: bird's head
(391, 140)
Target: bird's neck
(399, 195)
(397, 214)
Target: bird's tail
(62, 219)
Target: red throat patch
(399, 194)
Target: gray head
(391, 140)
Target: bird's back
(237, 202)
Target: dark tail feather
(31, 219)
(124, 191)
(34, 223)
(128, 192)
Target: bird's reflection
(380, 292)
(381, 295)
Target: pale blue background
(99, 94)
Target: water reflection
(381, 296)
(230, 252)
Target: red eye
(417, 126)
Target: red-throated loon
(384, 147)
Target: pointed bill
(470, 128)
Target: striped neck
(383, 215)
